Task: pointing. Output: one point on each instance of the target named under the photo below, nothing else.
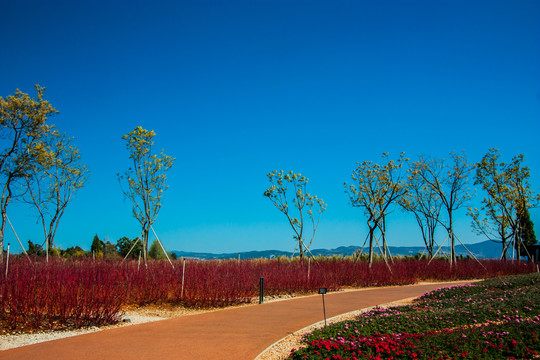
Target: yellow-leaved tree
(144, 182)
(508, 198)
(375, 188)
(53, 183)
(22, 129)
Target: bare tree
(145, 180)
(448, 179)
(303, 202)
(22, 127)
(54, 182)
(425, 204)
(375, 188)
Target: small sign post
(322, 291)
(261, 290)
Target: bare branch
(302, 200)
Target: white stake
(22, 247)
(7, 260)
(160, 244)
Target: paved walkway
(239, 333)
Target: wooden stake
(183, 273)
(308, 267)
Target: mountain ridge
(484, 250)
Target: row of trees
(41, 167)
(105, 249)
(127, 248)
(430, 189)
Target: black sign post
(322, 291)
(261, 290)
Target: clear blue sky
(235, 89)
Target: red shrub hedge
(74, 293)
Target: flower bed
(493, 319)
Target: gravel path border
(132, 316)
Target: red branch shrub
(59, 294)
(77, 293)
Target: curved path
(236, 333)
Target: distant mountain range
(484, 250)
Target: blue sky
(235, 89)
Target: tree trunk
(301, 248)
(144, 239)
(517, 241)
(452, 240)
(431, 240)
(431, 225)
(422, 230)
(48, 242)
(371, 230)
(503, 238)
(384, 245)
(2, 231)
(3, 210)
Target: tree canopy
(374, 188)
(508, 197)
(23, 125)
(449, 180)
(144, 182)
(54, 182)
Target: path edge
(320, 324)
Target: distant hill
(485, 250)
